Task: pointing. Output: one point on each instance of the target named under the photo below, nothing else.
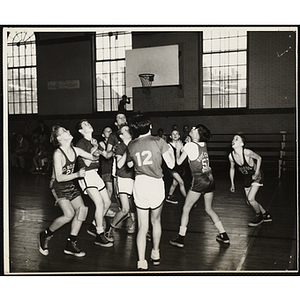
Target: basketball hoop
(146, 80)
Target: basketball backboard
(162, 61)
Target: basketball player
(92, 184)
(145, 154)
(106, 166)
(113, 141)
(202, 182)
(177, 171)
(125, 179)
(65, 192)
(249, 164)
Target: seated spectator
(43, 154)
(19, 151)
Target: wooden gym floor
(271, 247)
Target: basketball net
(146, 80)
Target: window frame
(219, 52)
(22, 98)
(106, 66)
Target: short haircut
(54, 134)
(79, 124)
(120, 129)
(204, 133)
(120, 113)
(140, 124)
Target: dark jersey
(106, 164)
(113, 139)
(248, 171)
(177, 168)
(86, 145)
(124, 171)
(68, 168)
(197, 157)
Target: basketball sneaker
(267, 217)
(109, 236)
(223, 237)
(92, 230)
(43, 240)
(256, 221)
(142, 265)
(155, 257)
(178, 242)
(72, 249)
(170, 199)
(101, 240)
(131, 228)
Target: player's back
(146, 153)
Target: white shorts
(91, 180)
(148, 192)
(125, 185)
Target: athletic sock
(99, 230)
(73, 238)
(182, 230)
(220, 227)
(155, 254)
(49, 232)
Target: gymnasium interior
(231, 79)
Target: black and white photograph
(150, 150)
(152, 153)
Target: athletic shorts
(203, 183)
(64, 190)
(125, 185)
(248, 181)
(106, 177)
(148, 192)
(91, 180)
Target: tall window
(110, 68)
(224, 68)
(21, 73)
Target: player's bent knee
(81, 213)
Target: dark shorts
(248, 181)
(107, 177)
(64, 190)
(203, 183)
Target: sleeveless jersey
(86, 145)
(68, 168)
(177, 168)
(248, 170)
(198, 158)
(146, 153)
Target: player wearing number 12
(146, 153)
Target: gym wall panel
(65, 82)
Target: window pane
(207, 103)
(21, 79)
(111, 72)
(242, 84)
(241, 100)
(227, 78)
(242, 58)
(242, 72)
